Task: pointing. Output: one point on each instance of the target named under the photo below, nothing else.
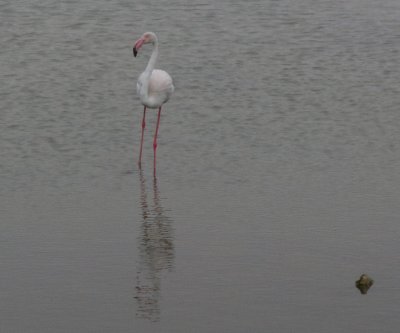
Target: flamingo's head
(147, 37)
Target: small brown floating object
(364, 283)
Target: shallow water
(277, 183)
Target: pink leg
(141, 141)
(155, 138)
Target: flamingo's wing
(160, 83)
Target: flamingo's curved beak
(137, 46)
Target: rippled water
(277, 181)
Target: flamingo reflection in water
(156, 252)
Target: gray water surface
(278, 178)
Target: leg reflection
(156, 252)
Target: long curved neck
(149, 69)
(153, 59)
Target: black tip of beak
(134, 52)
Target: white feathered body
(154, 88)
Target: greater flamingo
(154, 87)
